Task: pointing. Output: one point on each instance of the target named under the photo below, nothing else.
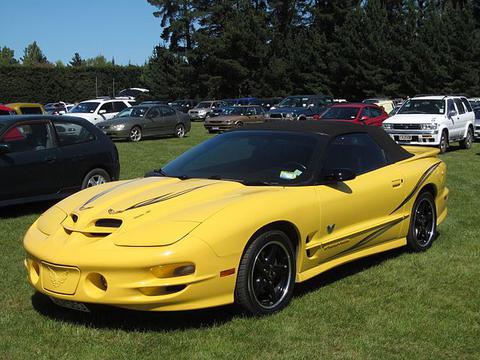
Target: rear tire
(423, 223)
(95, 177)
(179, 131)
(238, 124)
(443, 146)
(135, 134)
(467, 142)
(266, 275)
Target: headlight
(429, 126)
(118, 127)
(387, 126)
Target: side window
(108, 107)
(29, 137)
(119, 106)
(357, 152)
(70, 134)
(166, 111)
(460, 108)
(365, 112)
(450, 106)
(154, 113)
(374, 112)
(467, 104)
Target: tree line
(231, 48)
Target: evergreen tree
(7, 56)
(76, 60)
(33, 55)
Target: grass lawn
(395, 305)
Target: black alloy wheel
(423, 223)
(266, 275)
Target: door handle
(397, 183)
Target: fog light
(173, 270)
(95, 285)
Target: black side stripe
(85, 206)
(417, 187)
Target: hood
(131, 213)
(414, 118)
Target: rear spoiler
(421, 152)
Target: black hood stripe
(419, 184)
(100, 194)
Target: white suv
(433, 120)
(99, 109)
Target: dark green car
(136, 122)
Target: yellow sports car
(239, 219)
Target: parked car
(386, 104)
(26, 108)
(51, 157)
(433, 120)
(98, 110)
(135, 123)
(183, 105)
(267, 103)
(300, 107)
(58, 108)
(221, 111)
(204, 108)
(367, 114)
(241, 218)
(4, 110)
(477, 122)
(236, 117)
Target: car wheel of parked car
(135, 134)
(179, 131)
(266, 274)
(95, 177)
(238, 124)
(467, 142)
(423, 223)
(443, 142)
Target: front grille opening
(74, 218)
(111, 223)
(97, 235)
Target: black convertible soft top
(393, 151)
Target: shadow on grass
(106, 317)
(15, 211)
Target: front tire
(179, 131)
(95, 177)
(423, 223)
(135, 134)
(266, 275)
(443, 146)
(467, 142)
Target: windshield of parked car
(203, 105)
(134, 111)
(240, 111)
(296, 102)
(250, 157)
(341, 113)
(85, 107)
(427, 106)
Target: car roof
(437, 97)
(12, 105)
(393, 151)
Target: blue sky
(123, 29)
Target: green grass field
(394, 305)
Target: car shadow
(107, 317)
(14, 211)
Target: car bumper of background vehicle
(419, 137)
(117, 134)
(135, 287)
(219, 127)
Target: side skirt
(308, 274)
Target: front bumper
(122, 276)
(196, 116)
(218, 126)
(415, 137)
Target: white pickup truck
(433, 120)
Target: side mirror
(364, 118)
(102, 111)
(339, 175)
(4, 149)
(452, 113)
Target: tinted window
(450, 106)
(69, 133)
(31, 110)
(460, 108)
(119, 106)
(273, 157)
(85, 107)
(341, 113)
(374, 112)
(421, 106)
(467, 104)
(357, 152)
(154, 112)
(108, 107)
(366, 112)
(29, 137)
(167, 111)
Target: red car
(367, 114)
(6, 110)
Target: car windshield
(85, 107)
(134, 111)
(428, 106)
(239, 111)
(250, 157)
(203, 105)
(341, 113)
(296, 102)
(371, 101)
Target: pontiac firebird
(240, 218)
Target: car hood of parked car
(126, 210)
(413, 118)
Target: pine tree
(33, 55)
(7, 56)
(76, 60)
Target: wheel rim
(443, 143)
(424, 222)
(271, 275)
(96, 180)
(180, 131)
(135, 134)
(468, 141)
